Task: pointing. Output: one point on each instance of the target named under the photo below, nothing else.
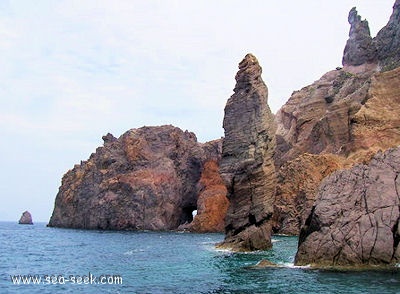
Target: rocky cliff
(355, 219)
(247, 165)
(144, 180)
(351, 113)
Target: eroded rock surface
(247, 165)
(376, 126)
(355, 219)
(144, 180)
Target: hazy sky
(71, 71)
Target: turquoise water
(154, 262)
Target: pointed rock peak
(353, 16)
(248, 60)
(109, 138)
(358, 26)
(359, 47)
(249, 72)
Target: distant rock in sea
(247, 165)
(26, 218)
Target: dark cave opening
(187, 214)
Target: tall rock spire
(359, 47)
(247, 165)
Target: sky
(72, 71)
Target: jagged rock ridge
(247, 165)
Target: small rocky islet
(26, 218)
(324, 167)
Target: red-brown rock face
(247, 165)
(298, 182)
(212, 203)
(145, 180)
(376, 126)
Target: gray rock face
(247, 166)
(144, 180)
(388, 41)
(359, 48)
(26, 218)
(355, 219)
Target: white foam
(223, 250)
(131, 252)
(291, 265)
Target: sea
(38, 259)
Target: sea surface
(73, 261)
